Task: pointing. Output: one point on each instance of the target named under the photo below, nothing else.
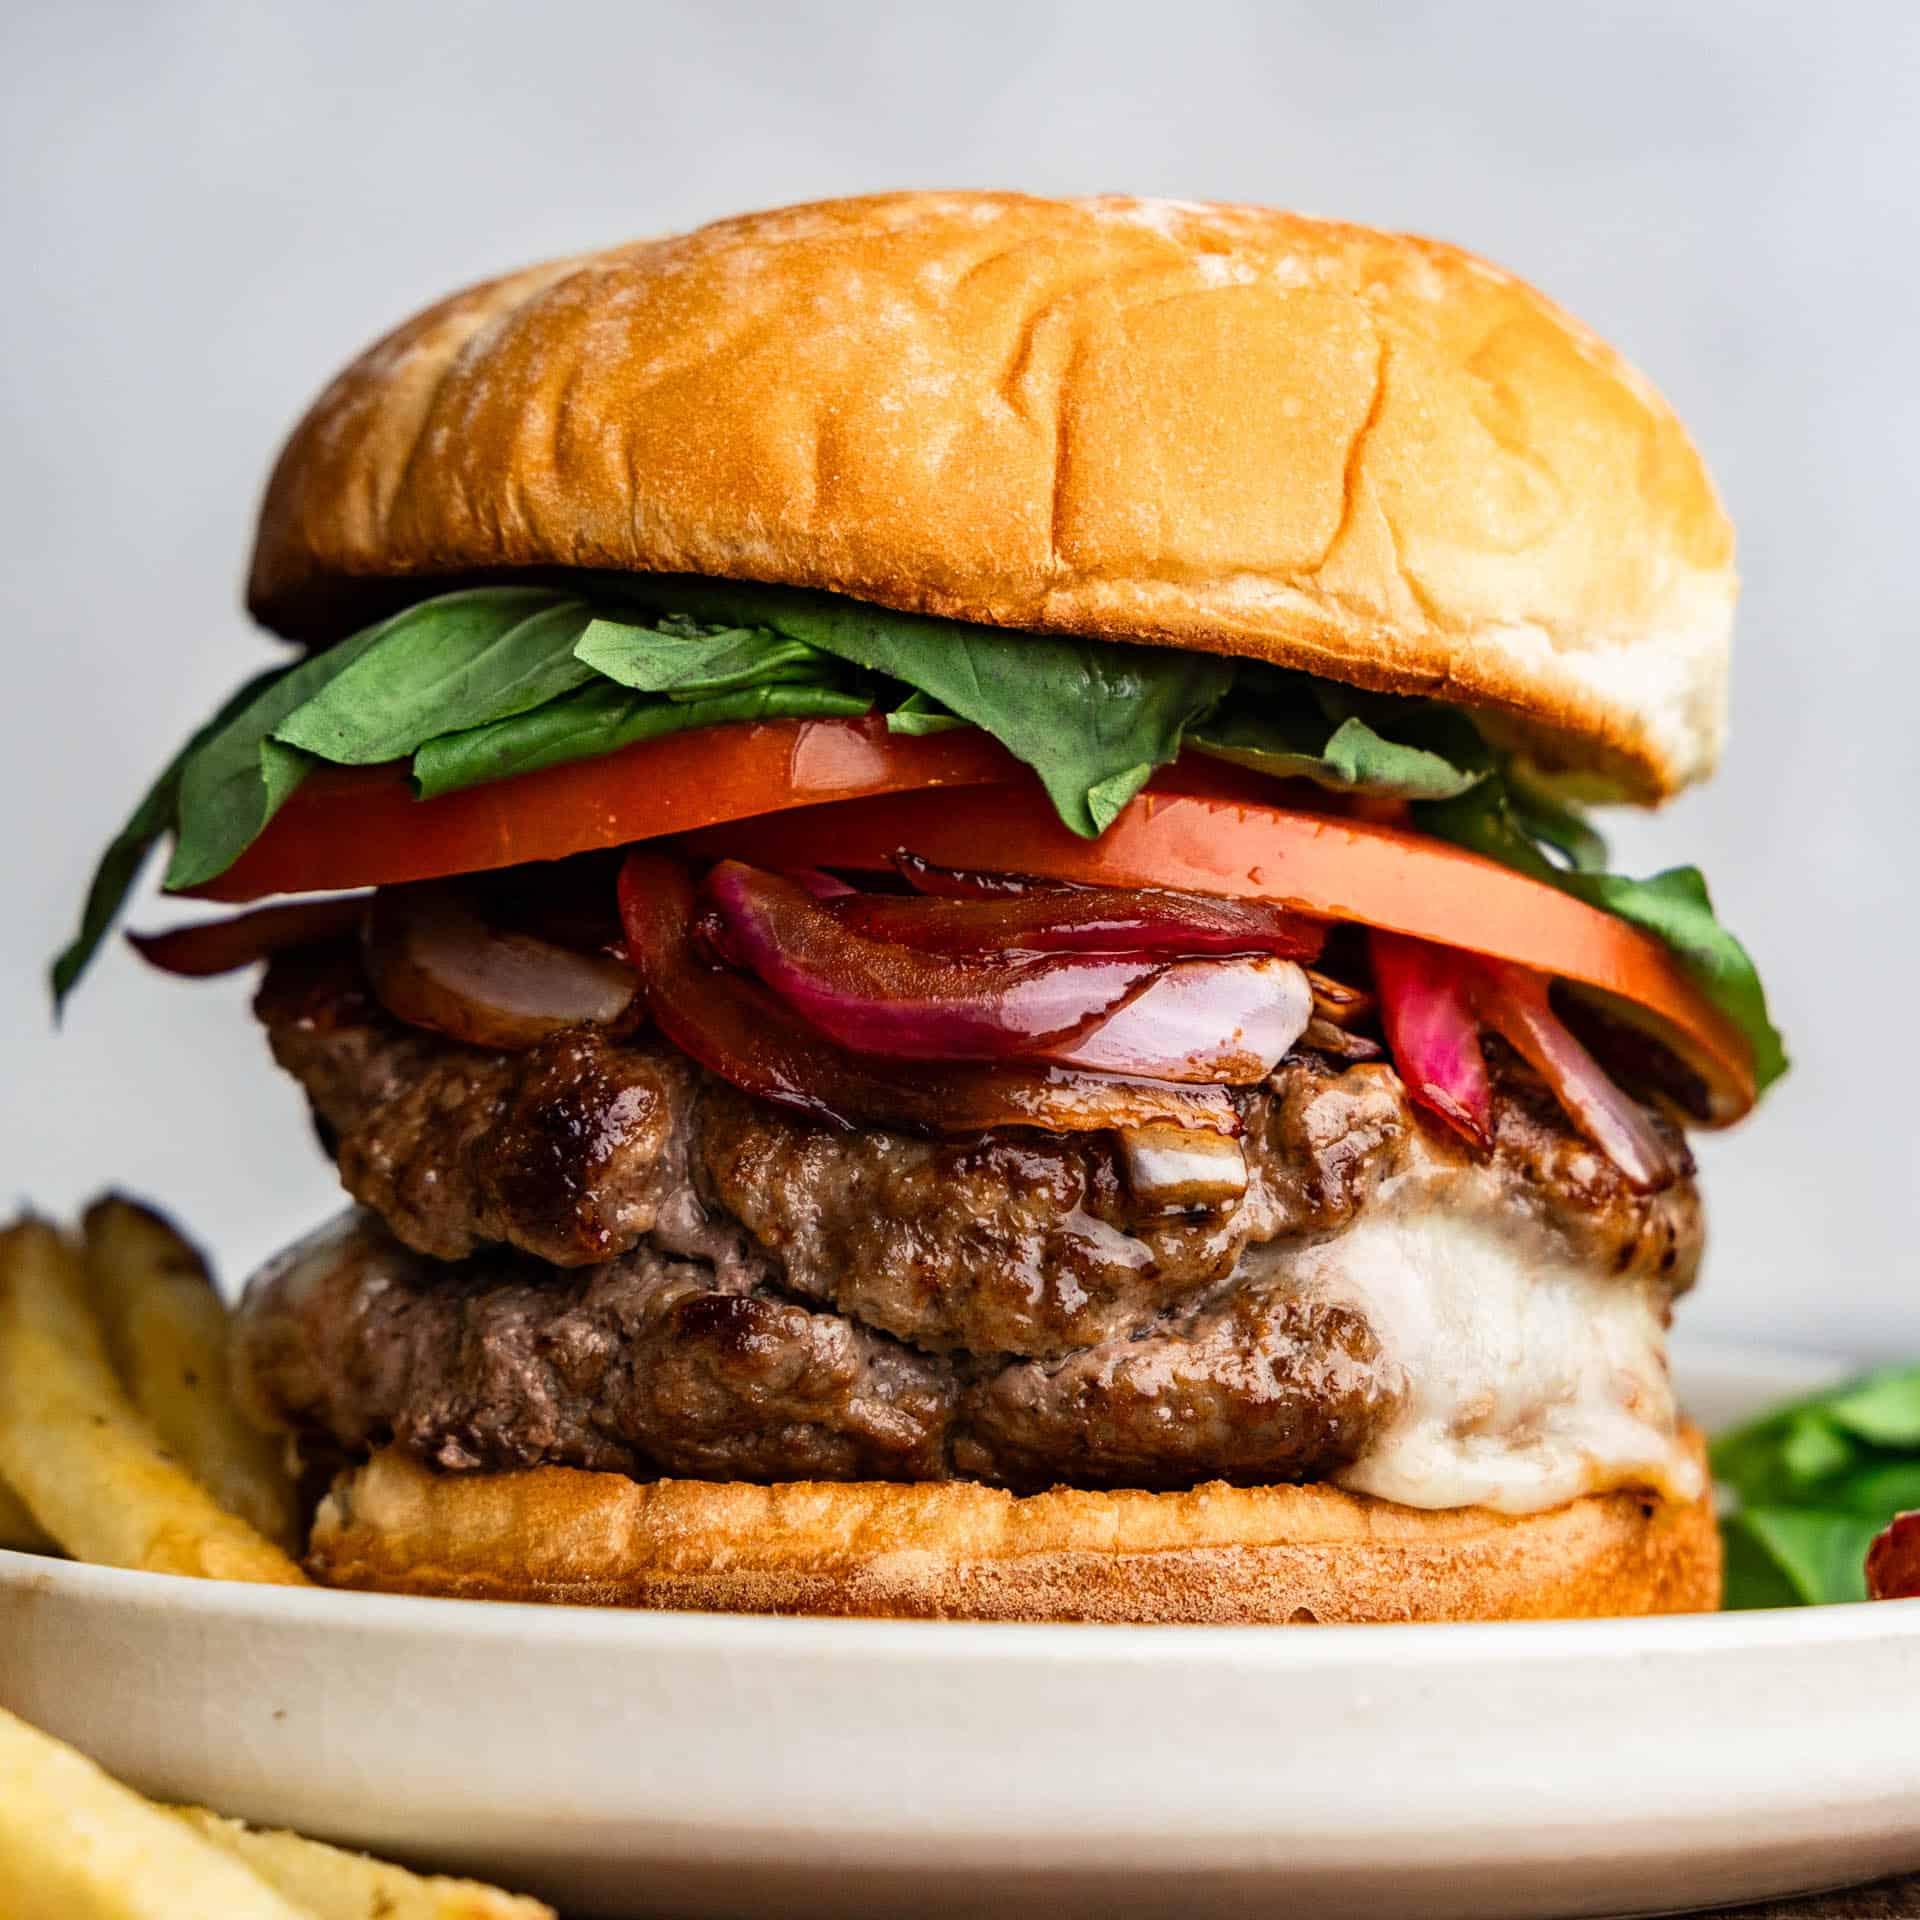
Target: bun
(1216, 1555)
(1224, 428)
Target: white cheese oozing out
(1529, 1380)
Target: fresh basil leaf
(1796, 1556)
(1881, 1488)
(1673, 906)
(1292, 727)
(1813, 1450)
(122, 863)
(917, 714)
(1883, 1409)
(1793, 1456)
(1815, 1481)
(239, 777)
(1752, 1577)
(601, 719)
(1093, 718)
(690, 666)
(1541, 817)
(457, 661)
(1351, 759)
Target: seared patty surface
(595, 1254)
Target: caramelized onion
(821, 884)
(211, 947)
(876, 996)
(1226, 1021)
(1324, 1037)
(1087, 920)
(1337, 1003)
(1173, 1170)
(435, 963)
(1426, 1006)
(1434, 1002)
(958, 883)
(971, 912)
(734, 1026)
(1513, 1002)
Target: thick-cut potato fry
(18, 1528)
(332, 1885)
(90, 1469)
(166, 1330)
(76, 1844)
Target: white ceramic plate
(628, 1764)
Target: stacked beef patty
(595, 1254)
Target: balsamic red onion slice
(1513, 1002)
(1087, 920)
(875, 996)
(211, 947)
(1226, 1021)
(1434, 1002)
(435, 963)
(1426, 1007)
(821, 884)
(959, 883)
(740, 1031)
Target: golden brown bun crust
(1225, 428)
(1218, 1555)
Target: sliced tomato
(359, 827)
(847, 794)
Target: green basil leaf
(688, 666)
(1883, 1409)
(1673, 906)
(1880, 1489)
(121, 865)
(457, 661)
(1093, 718)
(917, 714)
(1816, 1480)
(601, 719)
(1796, 1556)
(240, 777)
(1292, 727)
(1351, 759)
(1813, 1450)
(1541, 817)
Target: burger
(930, 883)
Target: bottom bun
(1217, 1555)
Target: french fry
(333, 1885)
(166, 1332)
(18, 1528)
(77, 1844)
(91, 1470)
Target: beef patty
(595, 1254)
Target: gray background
(208, 207)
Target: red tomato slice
(846, 793)
(358, 827)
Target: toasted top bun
(1218, 1555)
(1370, 456)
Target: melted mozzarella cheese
(1528, 1380)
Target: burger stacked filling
(962, 1175)
(780, 1039)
